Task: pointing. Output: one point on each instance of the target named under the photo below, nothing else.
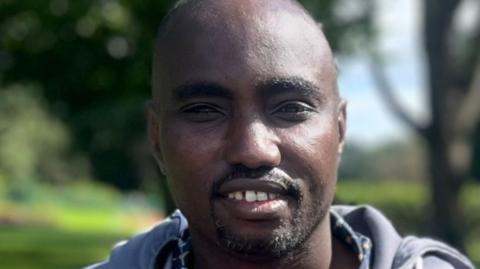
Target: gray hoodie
(151, 250)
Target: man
(248, 126)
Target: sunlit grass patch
(67, 226)
(29, 247)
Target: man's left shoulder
(390, 250)
(430, 253)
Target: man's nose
(253, 145)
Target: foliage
(34, 144)
(92, 60)
(394, 160)
(78, 207)
(348, 25)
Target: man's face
(249, 128)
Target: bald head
(201, 37)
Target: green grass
(28, 247)
(66, 226)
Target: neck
(316, 253)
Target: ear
(154, 135)
(342, 124)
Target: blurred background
(76, 173)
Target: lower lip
(255, 211)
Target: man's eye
(202, 112)
(293, 111)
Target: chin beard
(287, 239)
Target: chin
(273, 245)
(286, 238)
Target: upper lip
(249, 184)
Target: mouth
(253, 200)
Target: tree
(90, 60)
(453, 61)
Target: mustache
(264, 173)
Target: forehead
(243, 45)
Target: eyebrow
(288, 85)
(201, 89)
(270, 87)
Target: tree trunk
(447, 215)
(454, 110)
(445, 182)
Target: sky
(369, 120)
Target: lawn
(30, 247)
(67, 227)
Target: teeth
(238, 195)
(262, 196)
(250, 196)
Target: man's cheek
(191, 161)
(313, 144)
(182, 145)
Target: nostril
(248, 172)
(254, 145)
